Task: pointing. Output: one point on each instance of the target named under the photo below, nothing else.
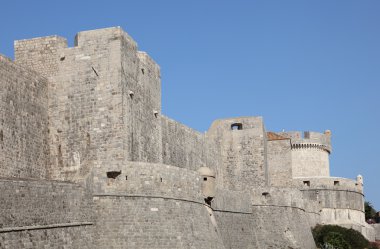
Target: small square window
(306, 183)
(237, 126)
(336, 183)
(113, 174)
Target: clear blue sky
(303, 65)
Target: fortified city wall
(91, 144)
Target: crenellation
(88, 160)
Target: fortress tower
(310, 153)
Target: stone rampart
(149, 180)
(263, 218)
(40, 213)
(335, 183)
(153, 206)
(341, 201)
(281, 213)
(72, 236)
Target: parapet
(89, 37)
(309, 139)
(44, 54)
(331, 183)
(239, 123)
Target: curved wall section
(309, 160)
(144, 205)
(149, 179)
(145, 223)
(44, 214)
(263, 218)
(310, 153)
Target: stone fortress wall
(113, 172)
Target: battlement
(46, 54)
(328, 183)
(309, 139)
(237, 123)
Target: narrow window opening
(155, 114)
(336, 183)
(143, 70)
(205, 179)
(160, 179)
(306, 135)
(208, 200)
(126, 178)
(237, 126)
(1, 136)
(306, 183)
(113, 174)
(93, 69)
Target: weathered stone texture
(44, 214)
(280, 163)
(238, 230)
(146, 179)
(32, 202)
(52, 238)
(23, 122)
(243, 152)
(282, 227)
(182, 146)
(139, 222)
(143, 108)
(40, 54)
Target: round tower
(310, 153)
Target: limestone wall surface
(138, 222)
(44, 214)
(263, 218)
(32, 202)
(153, 206)
(147, 179)
(279, 163)
(59, 237)
(23, 122)
(337, 206)
(280, 212)
(141, 84)
(310, 161)
(182, 146)
(336, 183)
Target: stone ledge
(15, 229)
